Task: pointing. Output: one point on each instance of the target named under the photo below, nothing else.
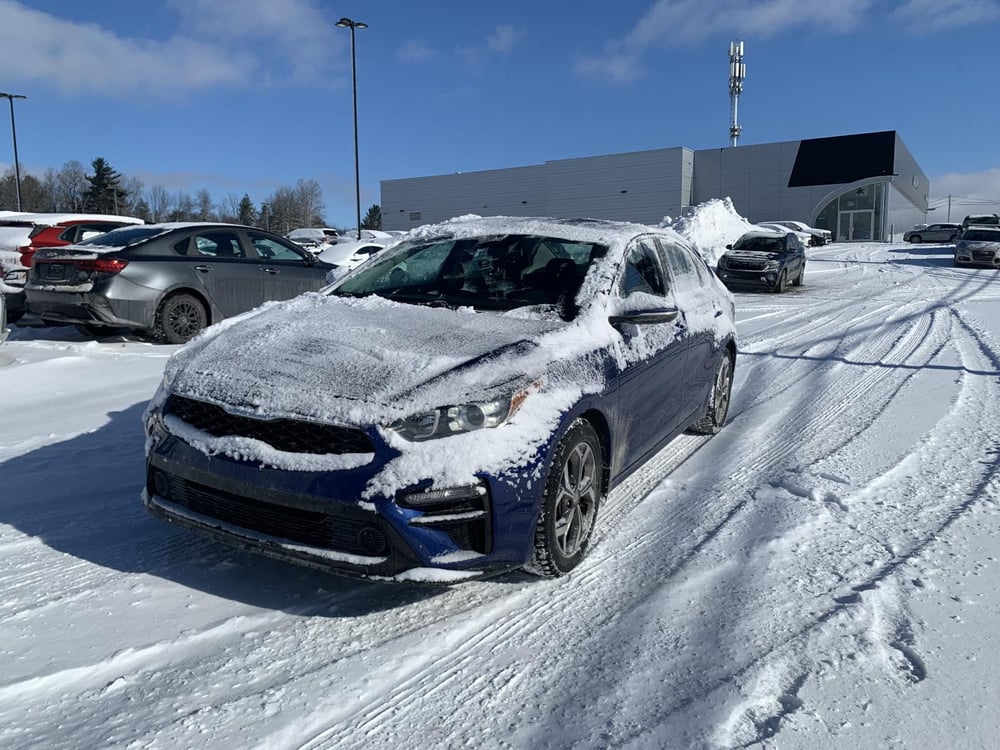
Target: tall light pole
(13, 132)
(347, 23)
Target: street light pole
(347, 23)
(13, 132)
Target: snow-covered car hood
(356, 360)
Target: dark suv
(763, 259)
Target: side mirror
(644, 317)
(729, 247)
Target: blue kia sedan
(458, 406)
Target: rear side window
(269, 248)
(218, 245)
(683, 268)
(125, 237)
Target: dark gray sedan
(168, 280)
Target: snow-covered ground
(823, 573)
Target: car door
(691, 285)
(285, 269)
(651, 397)
(231, 280)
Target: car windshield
(981, 235)
(760, 244)
(124, 237)
(489, 273)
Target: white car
(804, 237)
(347, 255)
(816, 236)
(314, 239)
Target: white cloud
(505, 37)
(969, 192)
(219, 43)
(415, 51)
(930, 16)
(680, 22)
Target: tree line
(104, 190)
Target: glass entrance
(855, 225)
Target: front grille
(327, 530)
(745, 265)
(983, 255)
(289, 435)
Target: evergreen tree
(373, 219)
(104, 195)
(247, 212)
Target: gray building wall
(640, 186)
(645, 186)
(909, 179)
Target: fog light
(436, 497)
(161, 485)
(372, 541)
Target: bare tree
(70, 186)
(229, 209)
(203, 205)
(159, 202)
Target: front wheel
(179, 319)
(573, 493)
(718, 402)
(916, 239)
(779, 285)
(800, 279)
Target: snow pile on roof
(710, 226)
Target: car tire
(916, 239)
(13, 317)
(179, 319)
(718, 403)
(779, 285)
(800, 279)
(572, 496)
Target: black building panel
(843, 159)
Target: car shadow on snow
(81, 497)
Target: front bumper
(747, 278)
(317, 518)
(987, 258)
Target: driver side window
(642, 271)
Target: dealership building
(849, 184)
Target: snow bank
(710, 226)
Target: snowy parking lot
(822, 573)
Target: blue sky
(247, 95)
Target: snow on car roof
(50, 219)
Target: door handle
(270, 270)
(203, 269)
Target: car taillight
(27, 253)
(101, 265)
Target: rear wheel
(569, 505)
(179, 319)
(800, 279)
(14, 315)
(718, 403)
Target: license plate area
(55, 271)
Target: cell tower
(737, 72)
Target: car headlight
(771, 265)
(459, 418)
(17, 277)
